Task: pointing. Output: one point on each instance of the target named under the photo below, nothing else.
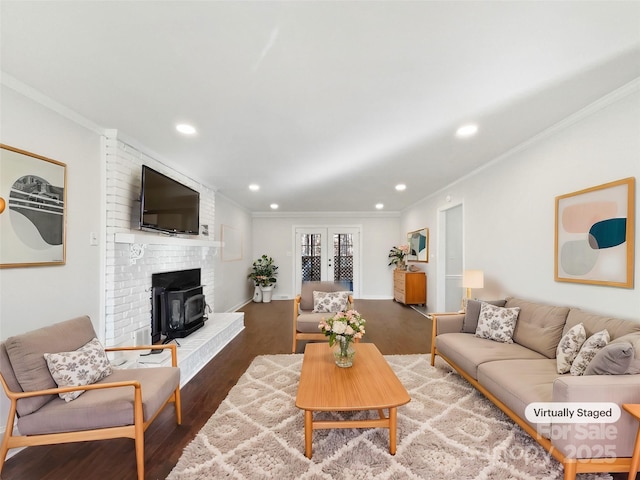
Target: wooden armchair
(305, 320)
(123, 404)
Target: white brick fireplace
(133, 256)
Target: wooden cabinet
(410, 288)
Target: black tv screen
(168, 205)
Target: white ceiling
(326, 105)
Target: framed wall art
(32, 209)
(594, 235)
(418, 241)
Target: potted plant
(397, 254)
(263, 274)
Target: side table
(634, 411)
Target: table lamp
(471, 279)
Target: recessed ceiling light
(186, 129)
(274, 206)
(401, 187)
(254, 187)
(379, 206)
(467, 130)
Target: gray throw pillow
(614, 359)
(470, 322)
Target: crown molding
(363, 214)
(603, 102)
(37, 96)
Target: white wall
(232, 289)
(274, 235)
(509, 207)
(37, 296)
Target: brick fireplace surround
(132, 256)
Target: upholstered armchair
(308, 312)
(121, 403)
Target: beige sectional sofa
(514, 375)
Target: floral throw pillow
(329, 302)
(497, 323)
(569, 346)
(591, 346)
(84, 366)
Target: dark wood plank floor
(394, 328)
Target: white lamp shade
(473, 279)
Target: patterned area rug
(447, 431)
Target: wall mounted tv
(167, 205)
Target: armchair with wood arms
(305, 317)
(123, 404)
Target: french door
(329, 253)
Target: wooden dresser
(410, 288)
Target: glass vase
(343, 352)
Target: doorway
(328, 253)
(450, 259)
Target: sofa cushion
(309, 322)
(472, 312)
(468, 351)
(589, 349)
(83, 366)
(497, 323)
(634, 340)
(327, 302)
(306, 291)
(569, 347)
(614, 359)
(26, 353)
(517, 383)
(539, 326)
(593, 323)
(104, 408)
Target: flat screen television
(167, 205)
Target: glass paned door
(311, 256)
(327, 253)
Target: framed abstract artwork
(418, 241)
(594, 235)
(32, 209)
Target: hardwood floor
(394, 328)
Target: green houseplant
(263, 274)
(397, 255)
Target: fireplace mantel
(138, 241)
(142, 239)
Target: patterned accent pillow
(593, 345)
(497, 323)
(84, 366)
(330, 302)
(470, 322)
(569, 346)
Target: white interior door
(327, 253)
(450, 259)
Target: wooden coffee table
(369, 384)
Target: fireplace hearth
(177, 304)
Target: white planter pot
(257, 294)
(266, 293)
